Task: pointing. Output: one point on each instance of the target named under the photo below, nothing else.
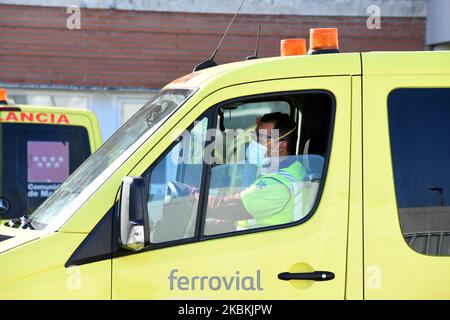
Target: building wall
(390, 8)
(111, 107)
(142, 49)
(126, 49)
(438, 25)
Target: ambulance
(135, 221)
(40, 148)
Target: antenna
(255, 56)
(210, 62)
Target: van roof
(272, 68)
(412, 62)
(406, 62)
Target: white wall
(438, 24)
(395, 8)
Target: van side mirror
(133, 214)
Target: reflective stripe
(251, 223)
(296, 193)
(293, 208)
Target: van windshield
(36, 159)
(55, 211)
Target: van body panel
(271, 252)
(13, 237)
(355, 231)
(393, 270)
(35, 270)
(355, 268)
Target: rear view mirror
(133, 214)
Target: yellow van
(40, 148)
(137, 220)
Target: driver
(274, 198)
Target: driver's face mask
(256, 153)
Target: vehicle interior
(172, 204)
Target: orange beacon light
(3, 96)
(323, 40)
(292, 47)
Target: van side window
(232, 172)
(174, 186)
(419, 125)
(267, 170)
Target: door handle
(316, 276)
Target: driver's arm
(227, 208)
(223, 207)
(265, 197)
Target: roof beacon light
(3, 97)
(323, 40)
(293, 47)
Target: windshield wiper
(20, 223)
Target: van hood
(12, 237)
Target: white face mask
(256, 153)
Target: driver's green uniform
(275, 198)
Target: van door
(406, 152)
(196, 252)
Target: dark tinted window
(419, 124)
(36, 159)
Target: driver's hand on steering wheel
(188, 190)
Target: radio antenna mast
(255, 56)
(210, 62)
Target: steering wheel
(179, 214)
(175, 190)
